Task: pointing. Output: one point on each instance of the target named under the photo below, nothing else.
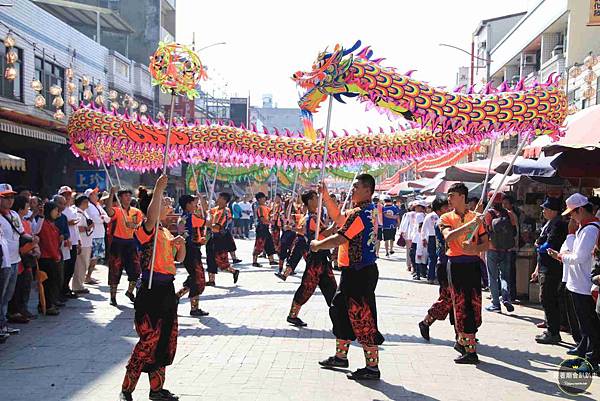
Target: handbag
(401, 241)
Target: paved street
(245, 350)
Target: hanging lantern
(58, 102)
(562, 82)
(69, 74)
(9, 40)
(11, 57)
(36, 85)
(87, 94)
(573, 109)
(71, 87)
(143, 108)
(85, 81)
(589, 93)
(113, 94)
(99, 100)
(59, 115)
(99, 88)
(135, 104)
(590, 61)
(114, 105)
(590, 77)
(160, 115)
(72, 100)
(55, 90)
(39, 101)
(10, 73)
(575, 72)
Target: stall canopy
(10, 162)
(583, 132)
(475, 171)
(401, 189)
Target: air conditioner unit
(529, 59)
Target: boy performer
(264, 239)
(217, 249)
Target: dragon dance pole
(292, 200)
(164, 171)
(117, 175)
(487, 173)
(198, 191)
(212, 187)
(349, 192)
(110, 182)
(325, 151)
(508, 170)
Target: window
(121, 68)
(49, 74)
(11, 89)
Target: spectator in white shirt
(70, 213)
(578, 259)
(405, 224)
(414, 233)
(10, 225)
(246, 217)
(420, 248)
(85, 227)
(98, 215)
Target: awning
(541, 167)
(534, 149)
(475, 171)
(401, 189)
(75, 13)
(420, 183)
(509, 181)
(583, 132)
(10, 162)
(32, 132)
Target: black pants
(550, 284)
(589, 325)
(20, 299)
(52, 285)
(512, 285)
(69, 270)
(318, 273)
(245, 227)
(353, 310)
(299, 250)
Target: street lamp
(473, 57)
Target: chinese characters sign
(85, 179)
(594, 12)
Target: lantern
(10, 73)
(143, 108)
(36, 85)
(85, 81)
(59, 115)
(87, 94)
(112, 94)
(69, 73)
(99, 100)
(58, 102)
(99, 88)
(39, 101)
(135, 104)
(575, 71)
(589, 93)
(11, 57)
(160, 115)
(562, 82)
(590, 77)
(590, 61)
(9, 41)
(71, 87)
(114, 105)
(72, 100)
(573, 109)
(55, 90)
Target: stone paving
(245, 350)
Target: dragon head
(325, 78)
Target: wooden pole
(325, 152)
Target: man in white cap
(70, 213)
(414, 233)
(578, 258)
(98, 215)
(10, 232)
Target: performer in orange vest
(156, 308)
(123, 252)
(264, 239)
(217, 248)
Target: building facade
(48, 50)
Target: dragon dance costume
(155, 313)
(318, 272)
(276, 225)
(464, 277)
(288, 240)
(353, 310)
(194, 238)
(123, 253)
(217, 246)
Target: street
(245, 350)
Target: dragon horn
(550, 79)
(352, 49)
(363, 52)
(471, 90)
(459, 88)
(504, 87)
(409, 73)
(520, 85)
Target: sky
(268, 40)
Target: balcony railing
(555, 65)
